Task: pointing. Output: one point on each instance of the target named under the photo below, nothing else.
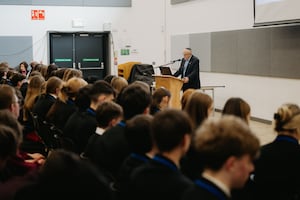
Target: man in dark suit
(189, 70)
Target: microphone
(176, 60)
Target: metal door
(88, 52)
(62, 50)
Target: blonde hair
(218, 139)
(118, 83)
(35, 88)
(43, 70)
(287, 118)
(71, 88)
(70, 73)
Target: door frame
(108, 52)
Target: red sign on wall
(37, 14)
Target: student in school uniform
(45, 101)
(108, 115)
(112, 148)
(160, 100)
(277, 174)
(161, 177)
(81, 125)
(138, 135)
(226, 148)
(238, 107)
(199, 107)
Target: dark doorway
(88, 52)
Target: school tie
(185, 67)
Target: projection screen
(271, 12)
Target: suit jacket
(277, 174)
(192, 72)
(60, 112)
(109, 150)
(204, 189)
(79, 127)
(42, 106)
(132, 162)
(158, 180)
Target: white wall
(143, 27)
(136, 26)
(264, 94)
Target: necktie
(184, 67)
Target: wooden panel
(174, 85)
(224, 52)
(286, 52)
(253, 52)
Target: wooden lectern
(173, 84)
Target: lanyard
(139, 157)
(122, 124)
(286, 138)
(165, 162)
(70, 102)
(211, 189)
(91, 111)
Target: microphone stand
(172, 62)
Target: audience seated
(60, 73)
(277, 174)
(160, 178)
(21, 167)
(3, 73)
(108, 78)
(9, 100)
(23, 68)
(82, 99)
(51, 70)
(31, 140)
(199, 107)
(227, 149)
(118, 83)
(17, 80)
(65, 176)
(185, 97)
(65, 106)
(9, 144)
(138, 135)
(70, 73)
(237, 107)
(108, 115)
(160, 100)
(45, 101)
(125, 153)
(112, 148)
(81, 125)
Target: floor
(264, 132)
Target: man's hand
(185, 79)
